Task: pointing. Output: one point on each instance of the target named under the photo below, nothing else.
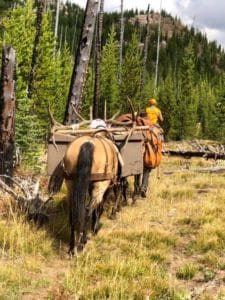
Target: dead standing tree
(40, 7)
(7, 111)
(98, 61)
(143, 75)
(81, 62)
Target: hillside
(170, 246)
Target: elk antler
(84, 121)
(52, 119)
(132, 108)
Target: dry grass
(170, 246)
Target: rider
(154, 114)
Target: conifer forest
(75, 147)
(189, 86)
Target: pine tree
(187, 98)
(207, 110)
(88, 93)
(63, 71)
(131, 73)
(109, 70)
(45, 77)
(19, 32)
(168, 105)
(220, 112)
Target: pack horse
(91, 168)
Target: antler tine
(78, 115)
(137, 114)
(120, 123)
(132, 108)
(113, 117)
(52, 119)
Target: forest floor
(168, 246)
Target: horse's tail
(56, 180)
(81, 185)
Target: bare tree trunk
(121, 44)
(40, 7)
(7, 111)
(98, 61)
(158, 46)
(81, 62)
(75, 29)
(57, 19)
(143, 75)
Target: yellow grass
(169, 246)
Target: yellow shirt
(153, 114)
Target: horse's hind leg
(124, 184)
(117, 207)
(95, 226)
(96, 207)
(72, 234)
(137, 188)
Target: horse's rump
(104, 165)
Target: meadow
(168, 246)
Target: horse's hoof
(71, 252)
(80, 248)
(112, 217)
(143, 194)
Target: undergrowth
(166, 247)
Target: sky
(207, 16)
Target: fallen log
(216, 170)
(190, 154)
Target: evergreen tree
(187, 98)
(88, 93)
(63, 71)
(220, 111)
(168, 105)
(131, 73)
(207, 110)
(109, 70)
(19, 30)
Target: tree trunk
(157, 52)
(143, 75)
(98, 62)
(7, 111)
(81, 62)
(121, 44)
(40, 7)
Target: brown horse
(91, 168)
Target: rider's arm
(160, 116)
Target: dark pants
(145, 179)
